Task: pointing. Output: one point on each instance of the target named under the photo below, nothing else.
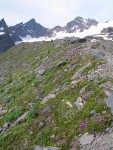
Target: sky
(50, 13)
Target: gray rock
(45, 148)
(80, 71)
(3, 111)
(41, 125)
(61, 63)
(31, 104)
(41, 72)
(37, 97)
(101, 142)
(61, 142)
(73, 67)
(98, 55)
(20, 119)
(6, 125)
(86, 139)
(79, 103)
(82, 91)
(109, 102)
(96, 82)
(74, 40)
(93, 112)
(50, 96)
(31, 133)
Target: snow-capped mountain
(5, 39)
(30, 29)
(78, 24)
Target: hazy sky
(50, 13)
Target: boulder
(86, 139)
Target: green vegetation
(58, 120)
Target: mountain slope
(56, 94)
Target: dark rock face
(5, 42)
(5, 39)
(107, 30)
(30, 28)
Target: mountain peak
(32, 20)
(3, 24)
(78, 18)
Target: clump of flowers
(83, 125)
(87, 95)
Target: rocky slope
(57, 95)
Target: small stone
(79, 103)
(6, 125)
(41, 125)
(41, 72)
(69, 104)
(96, 82)
(31, 133)
(93, 112)
(104, 112)
(82, 91)
(62, 63)
(37, 97)
(50, 96)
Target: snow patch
(1, 33)
(1, 28)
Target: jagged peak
(31, 21)
(78, 18)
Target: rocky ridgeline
(57, 95)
